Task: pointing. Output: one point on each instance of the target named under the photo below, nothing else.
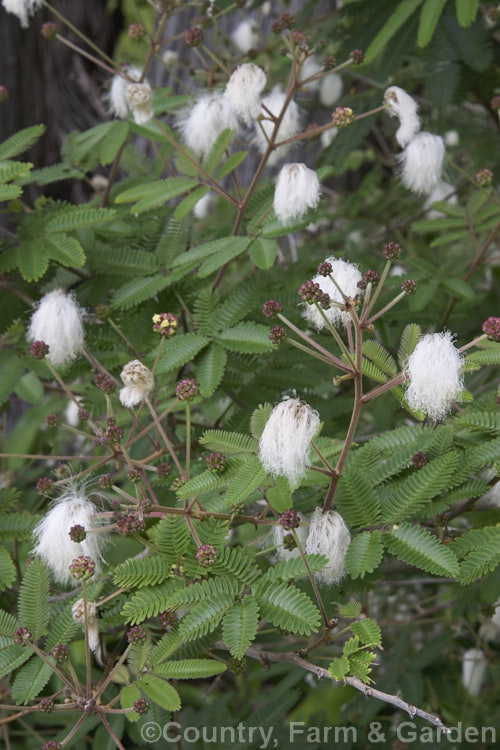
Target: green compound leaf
(239, 627)
(209, 369)
(418, 547)
(287, 607)
(364, 554)
(368, 632)
(189, 669)
(247, 338)
(181, 349)
(160, 692)
(33, 608)
(20, 142)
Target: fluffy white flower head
(421, 163)
(329, 536)
(170, 57)
(22, 9)
(279, 534)
(51, 535)
(297, 189)
(443, 191)
(434, 372)
(244, 90)
(245, 36)
(205, 121)
(474, 665)
(289, 126)
(346, 276)
(203, 207)
(78, 612)
(140, 100)
(403, 106)
(285, 442)
(138, 381)
(331, 88)
(58, 322)
(117, 97)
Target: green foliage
(418, 547)
(189, 669)
(21, 141)
(7, 570)
(152, 194)
(30, 680)
(149, 601)
(160, 692)
(33, 608)
(228, 442)
(146, 572)
(364, 554)
(240, 626)
(287, 607)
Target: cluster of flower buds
(141, 706)
(52, 420)
(289, 520)
(187, 389)
(82, 568)
(82, 415)
(484, 177)
(77, 533)
(45, 486)
(164, 470)
(137, 635)
(278, 334)
(342, 117)
(52, 745)
(193, 36)
(216, 462)
(419, 459)
(165, 324)
(105, 383)
(46, 705)
(129, 523)
(491, 327)
(284, 22)
(21, 636)
(60, 652)
(135, 475)
(39, 349)
(325, 268)
(392, 251)
(369, 277)
(105, 481)
(112, 435)
(409, 286)
(271, 308)
(136, 30)
(206, 555)
(168, 618)
(310, 292)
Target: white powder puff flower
(328, 136)
(78, 612)
(279, 534)
(289, 126)
(474, 665)
(205, 121)
(285, 442)
(58, 322)
(443, 191)
(245, 36)
(22, 9)
(421, 163)
(140, 100)
(347, 276)
(329, 536)
(452, 138)
(403, 106)
(310, 68)
(434, 375)
(51, 535)
(138, 381)
(297, 189)
(203, 207)
(170, 57)
(331, 88)
(244, 90)
(117, 97)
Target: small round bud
(4, 94)
(51, 745)
(21, 636)
(165, 324)
(136, 30)
(484, 177)
(278, 335)
(89, 706)
(193, 37)
(342, 117)
(392, 251)
(409, 286)
(60, 652)
(216, 462)
(357, 56)
(135, 475)
(369, 277)
(271, 308)
(237, 508)
(129, 524)
(321, 44)
(46, 705)
(105, 383)
(163, 470)
(112, 435)
(329, 62)
(103, 311)
(137, 634)
(491, 328)
(289, 542)
(39, 349)
(77, 533)
(105, 481)
(206, 555)
(141, 706)
(110, 421)
(325, 268)
(82, 568)
(286, 21)
(187, 388)
(310, 292)
(168, 618)
(83, 415)
(237, 666)
(419, 459)
(45, 486)
(52, 420)
(49, 30)
(324, 301)
(177, 484)
(289, 520)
